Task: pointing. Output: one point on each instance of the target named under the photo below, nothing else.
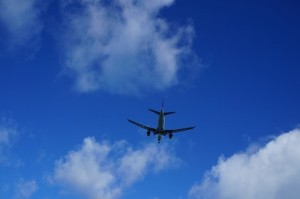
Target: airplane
(160, 130)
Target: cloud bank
(123, 46)
(21, 18)
(273, 171)
(102, 170)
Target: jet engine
(170, 135)
(148, 133)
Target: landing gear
(170, 135)
(159, 138)
(148, 133)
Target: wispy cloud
(21, 18)
(102, 170)
(272, 171)
(123, 46)
(25, 189)
(8, 135)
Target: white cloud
(103, 170)
(21, 18)
(273, 171)
(123, 46)
(8, 135)
(25, 189)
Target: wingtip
(192, 127)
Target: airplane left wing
(178, 130)
(142, 126)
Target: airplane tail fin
(162, 108)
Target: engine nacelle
(148, 133)
(170, 135)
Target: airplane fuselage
(161, 122)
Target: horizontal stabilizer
(154, 111)
(157, 112)
(168, 113)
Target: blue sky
(73, 71)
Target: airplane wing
(178, 130)
(142, 126)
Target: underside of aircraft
(160, 131)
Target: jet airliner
(160, 130)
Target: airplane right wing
(142, 126)
(178, 130)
